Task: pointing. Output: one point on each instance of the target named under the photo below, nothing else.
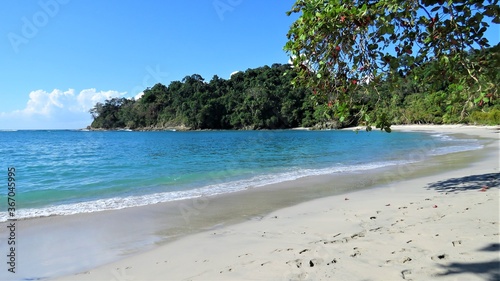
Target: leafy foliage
(264, 98)
(261, 98)
(347, 52)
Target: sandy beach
(437, 226)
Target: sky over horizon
(60, 57)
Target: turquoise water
(68, 172)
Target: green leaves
(335, 44)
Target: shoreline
(136, 200)
(154, 227)
(278, 245)
(182, 128)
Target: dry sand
(439, 227)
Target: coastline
(419, 232)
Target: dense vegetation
(261, 98)
(436, 46)
(404, 99)
(264, 98)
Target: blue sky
(59, 57)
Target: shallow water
(70, 172)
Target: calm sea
(69, 172)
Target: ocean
(64, 172)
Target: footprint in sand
(375, 229)
(406, 274)
(343, 240)
(456, 243)
(229, 270)
(277, 250)
(406, 259)
(297, 263)
(346, 239)
(358, 235)
(356, 253)
(304, 276)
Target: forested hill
(261, 98)
(264, 98)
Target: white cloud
(56, 110)
(89, 97)
(233, 73)
(139, 95)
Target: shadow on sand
(489, 269)
(467, 183)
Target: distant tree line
(261, 98)
(264, 98)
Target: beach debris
(311, 263)
(372, 218)
(346, 199)
(439, 257)
(407, 259)
(435, 206)
(484, 188)
(455, 243)
(388, 205)
(303, 251)
(332, 262)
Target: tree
(343, 50)
(260, 98)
